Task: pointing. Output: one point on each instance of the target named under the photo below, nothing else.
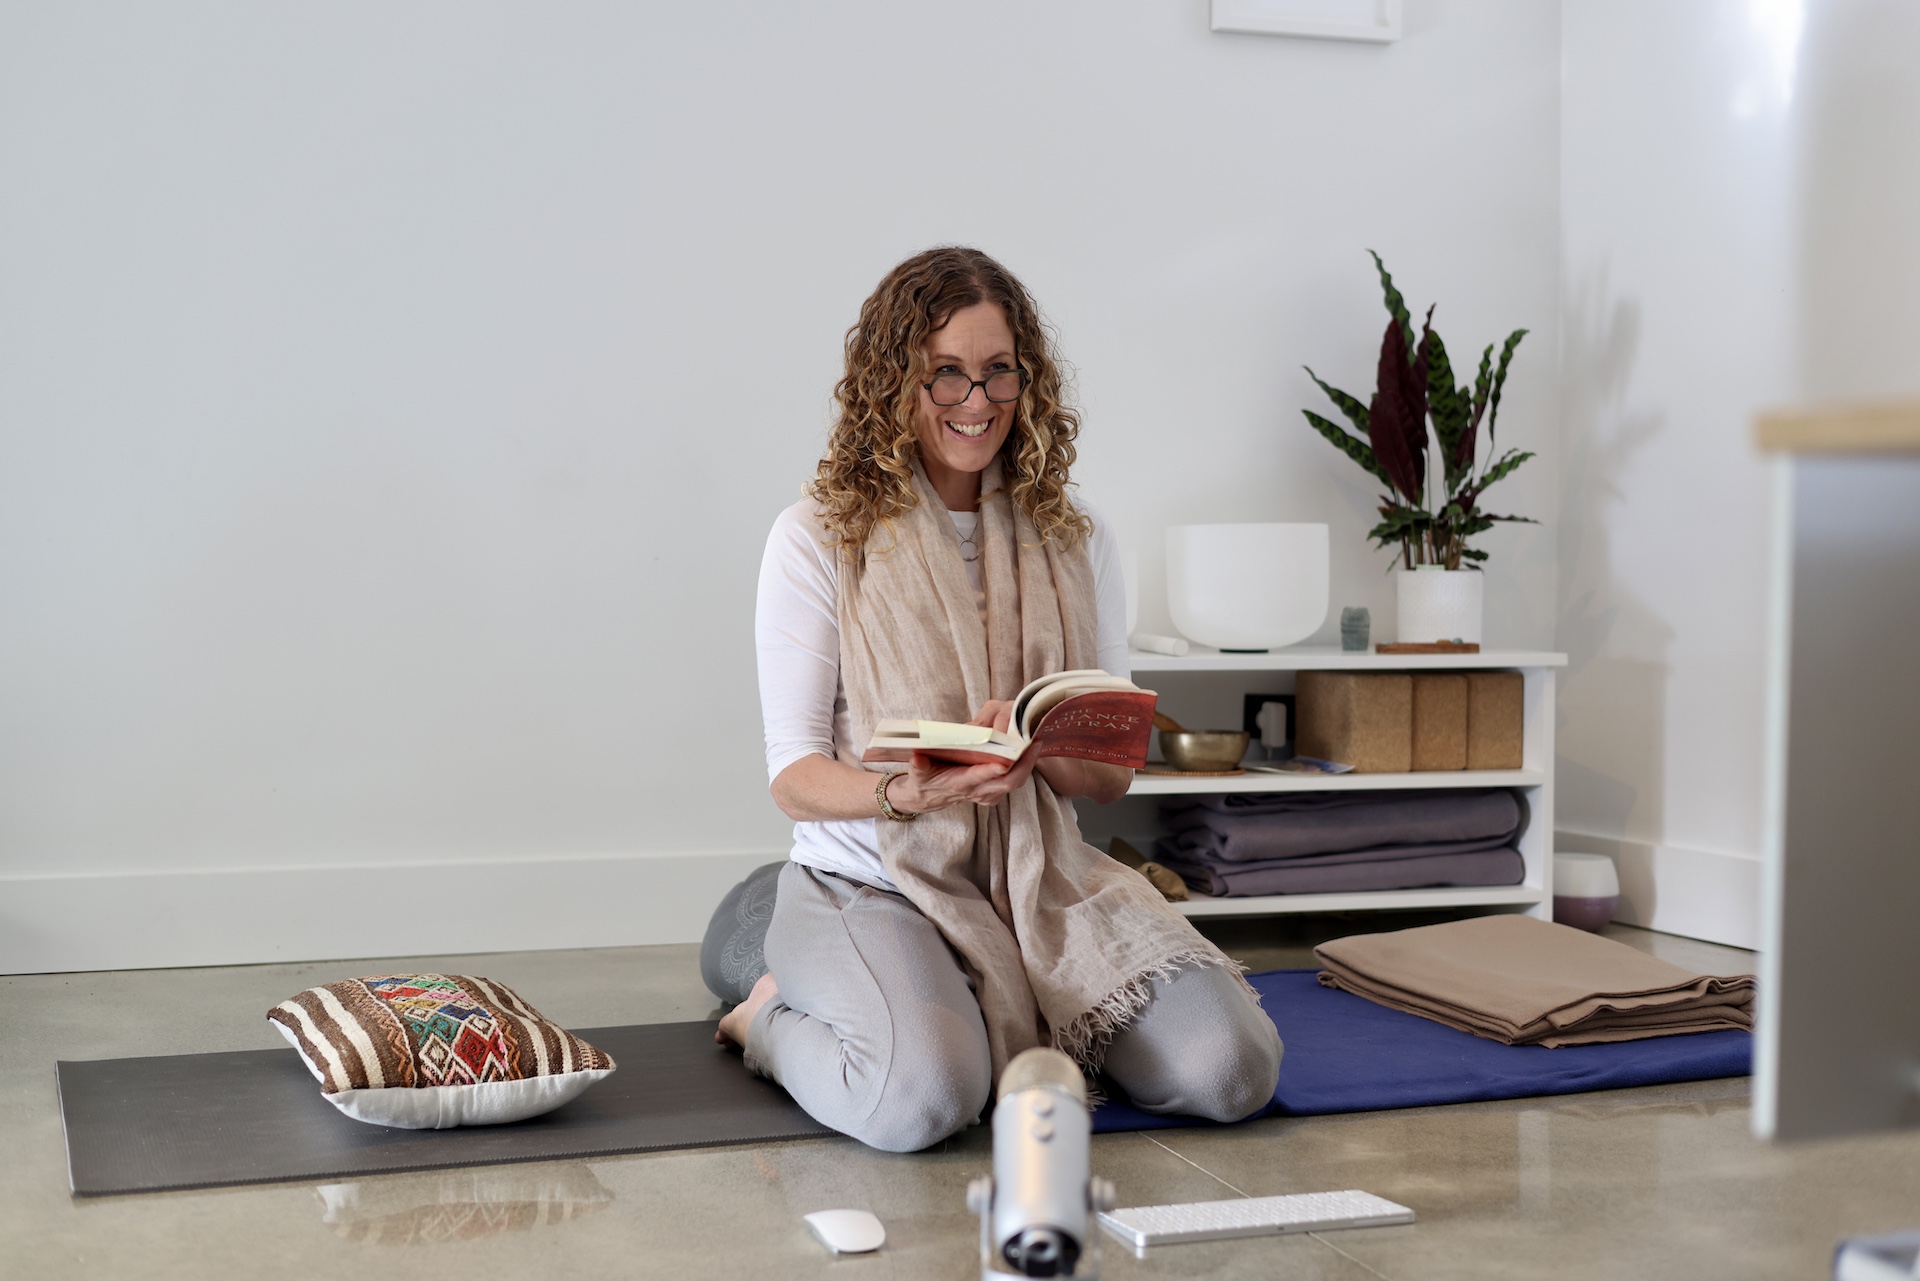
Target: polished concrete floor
(1650, 1183)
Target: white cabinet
(1203, 690)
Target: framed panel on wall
(1375, 20)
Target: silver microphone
(1036, 1211)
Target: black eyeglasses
(949, 390)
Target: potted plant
(1434, 481)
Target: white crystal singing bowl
(1247, 586)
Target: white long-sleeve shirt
(797, 635)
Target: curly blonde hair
(866, 478)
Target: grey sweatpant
(876, 1032)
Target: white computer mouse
(847, 1231)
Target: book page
(898, 741)
(1037, 684)
(1067, 685)
(952, 734)
(929, 735)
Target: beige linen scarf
(1061, 941)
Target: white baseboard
(1702, 894)
(253, 916)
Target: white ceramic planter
(1438, 604)
(1247, 587)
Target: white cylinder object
(1247, 587)
(1153, 643)
(1586, 890)
(1436, 604)
(1585, 876)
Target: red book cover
(1113, 726)
(1108, 725)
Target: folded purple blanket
(1172, 849)
(1341, 874)
(1286, 825)
(1297, 802)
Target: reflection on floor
(462, 1205)
(1660, 1182)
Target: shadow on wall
(1611, 730)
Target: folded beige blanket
(1530, 982)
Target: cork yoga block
(1362, 719)
(1439, 721)
(1495, 720)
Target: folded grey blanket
(1292, 825)
(1346, 873)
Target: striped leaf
(1396, 305)
(1509, 461)
(1449, 405)
(1355, 411)
(1498, 471)
(1469, 444)
(1400, 525)
(1483, 384)
(1352, 446)
(1400, 518)
(1500, 379)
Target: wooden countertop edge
(1854, 429)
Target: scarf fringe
(1086, 1038)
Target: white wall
(1846, 910)
(393, 401)
(1679, 172)
(1859, 203)
(1739, 203)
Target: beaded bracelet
(886, 807)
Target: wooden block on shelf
(1362, 719)
(1496, 720)
(1439, 721)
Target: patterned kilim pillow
(432, 1051)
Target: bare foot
(733, 1024)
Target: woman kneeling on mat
(932, 923)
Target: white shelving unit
(1162, 785)
(1196, 685)
(1314, 658)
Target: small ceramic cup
(1586, 890)
(1356, 622)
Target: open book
(1085, 714)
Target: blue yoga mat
(1346, 1054)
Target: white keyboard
(1145, 1225)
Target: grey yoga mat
(256, 1116)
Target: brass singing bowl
(1204, 751)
